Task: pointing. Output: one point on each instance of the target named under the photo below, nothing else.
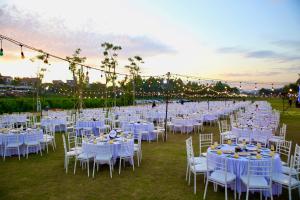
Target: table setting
(238, 156)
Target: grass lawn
(160, 176)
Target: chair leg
(120, 165)
(186, 173)
(194, 183)
(19, 153)
(260, 195)
(204, 196)
(41, 149)
(110, 169)
(67, 164)
(226, 192)
(94, 169)
(247, 194)
(189, 176)
(88, 168)
(27, 152)
(132, 163)
(75, 165)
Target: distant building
(28, 81)
(6, 79)
(57, 82)
(70, 82)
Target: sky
(255, 41)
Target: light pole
(166, 83)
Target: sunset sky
(257, 40)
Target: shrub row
(27, 104)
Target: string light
(1, 50)
(176, 76)
(22, 53)
(46, 59)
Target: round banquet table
(93, 125)
(22, 137)
(88, 147)
(143, 126)
(239, 166)
(256, 134)
(58, 123)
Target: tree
(134, 70)
(79, 78)
(109, 64)
(40, 76)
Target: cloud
(247, 74)
(53, 35)
(235, 49)
(289, 69)
(261, 54)
(289, 44)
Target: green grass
(160, 176)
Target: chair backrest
(126, 149)
(220, 127)
(64, 143)
(224, 125)
(11, 139)
(31, 137)
(71, 139)
(139, 139)
(205, 140)
(295, 167)
(284, 149)
(297, 153)
(103, 150)
(189, 147)
(260, 168)
(282, 131)
(217, 164)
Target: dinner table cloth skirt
(239, 167)
(136, 127)
(94, 126)
(58, 124)
(128, 149)
(256, 134)
(185, 125)
(22, 139)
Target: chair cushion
(198, 160)
(255, 181)
(71, 153)
(32, 143)
(204, 154)
(199, 168)
(10, 145)
(277, 139)
(284, 163)
(284, 179)
(84, 156)
(286, 170)
(219, 176)
(103, 157)
(48, 136)
(244, 138)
